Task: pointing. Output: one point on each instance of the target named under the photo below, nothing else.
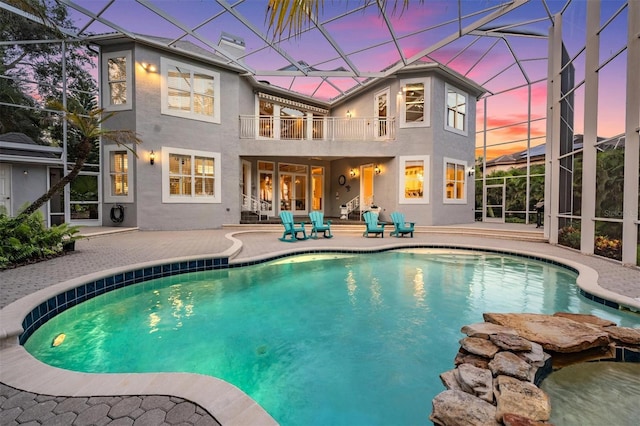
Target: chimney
(231, 44)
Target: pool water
(340, 339)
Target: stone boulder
(521, 398)
(535, 356)
(476, 381)
(586, 318)
(485, 329)
(463, 357)
(625, 335)
(509, 364)
(478, 346)
(453, 407)
(448, 379)
(511, 419)
(554, 333)
(510, 342)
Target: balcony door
(381, 110)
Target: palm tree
(90, 131)
(295, 14)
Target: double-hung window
(189, 91)
(117, 75)
(415, 105)
(119, 174)
(190, 176)
(455, 188)
(457, 101)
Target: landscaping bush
(569, 236)
(29, 240)
(608, 247)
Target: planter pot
(69, 246)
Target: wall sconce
(152, 157)
(148, 67)
(348, 114)
(26, 172)
(352, 172)
(377, 169)
(471, 171)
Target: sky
(361, 34)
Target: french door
(293, 188)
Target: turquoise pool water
(340, 339)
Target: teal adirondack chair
(373, 226)
(291, 229)
(401, 227)
(319, 225)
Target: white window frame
(447, 88)
(426, 183)
(164, 90)
(463, 165)
(106, 175)
(426, 82)
(376, 111)
(216, 198)
(106, 92)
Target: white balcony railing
(317, 128)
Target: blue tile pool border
(70, 298)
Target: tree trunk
(82, 151)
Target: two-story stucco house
(218, 144)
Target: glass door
(293, 188)
(317, 188)
(381, 109)
(366, 187)
(265, 195)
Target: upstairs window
(117, 78)
(190, 176)
(415, 110)
(190, 92)
(456, 110)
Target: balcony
(317, 128)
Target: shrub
(608, 247)
(569, 236)
(29, 240)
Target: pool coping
(225, 402)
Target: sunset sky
(364, 38)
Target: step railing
(252, 204)
(350, 206)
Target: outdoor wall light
(377, 169)
(149, 67)
(152, 157)
(471, 171)
(348, 114)
(352, 172)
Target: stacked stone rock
(502, 361)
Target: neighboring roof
(14, 145)
(16, 137)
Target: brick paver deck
(100, 253)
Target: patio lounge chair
(291, 228)
(318, 225)
(401, 227)
(373, 226)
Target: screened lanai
(558, 126)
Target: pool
(335, 338)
